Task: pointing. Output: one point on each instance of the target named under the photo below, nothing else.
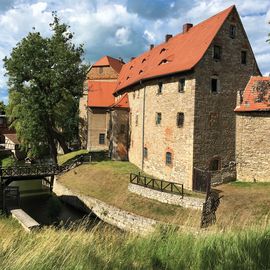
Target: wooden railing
(161, 185)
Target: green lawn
(64, 158)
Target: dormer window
(141, 71)
(128, 77)
(131, 67)
(232, 31)
(217, 52)
(143, 60)
(164, 61)
(162, 50)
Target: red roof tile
(256, 96)
(181, 53)
(122, 103)
(116, 64)
(100, 93)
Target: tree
(45, 84)
(2, 107)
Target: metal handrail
(157, 184)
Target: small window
(101, 138)
(137, 120)
(180, 119)
(145, 152)
(214, 85)
(243, 57)
(100, 70)
(158, 118)
(131, 67)
(143, 60)
(162, 50)
(122, 129)
(217, 52)
(214, 164)
(168, 158)
(163, 61)
(181, 85)
(128, 77)
(141, 71)
(232, 31)
(160, 86)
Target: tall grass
(106, 248)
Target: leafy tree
(2, 107)
(45, 83)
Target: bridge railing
(161, 185)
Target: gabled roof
(122, 102)
(116, 64)
(100, 93)
(12, 137)
(181, 53)
(256, 96)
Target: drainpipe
(143, 125)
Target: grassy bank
(108, 181)
(105, 248)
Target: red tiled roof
(256, 96)
(100, 93)
(181, 53)
(122, 103)
(110, 61)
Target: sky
(125, 28)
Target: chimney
(186, 27)
(167, 37)
(151, 46)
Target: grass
(106, 248)
(242, 205)
(8, 161)
(108, 181)
(64, 158)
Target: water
(34, 200)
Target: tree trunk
(53, 149)
(61, 141)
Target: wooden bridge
(45, 172)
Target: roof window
(131, 67)
(163, 61)
(162, 50)
(128, 77)
(141, 71)
(143, 60)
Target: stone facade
(207, 136)
(253, 146)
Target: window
(214, 164)
(215, 85)
(217, 52)
(168, 158)
(122, 129)
(158, 118)
(181, 85)
(162, 50)
(232, 31)
(243, 57)
(100, 70)
(180, 119)
(143, 60)
(101, 138)
(160, 86)
(145, 152)
(137, 120)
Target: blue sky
(125, 28)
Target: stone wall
(119, 134)
(187, 202)
(109, 214)
(214, 112)
(98, 122)
(253, 146)
(102, 73)
(166, 137)
(83, 125)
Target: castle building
(96, 103)
(182, 95)
(252, 131)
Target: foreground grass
(108, 181)
(106, 248)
